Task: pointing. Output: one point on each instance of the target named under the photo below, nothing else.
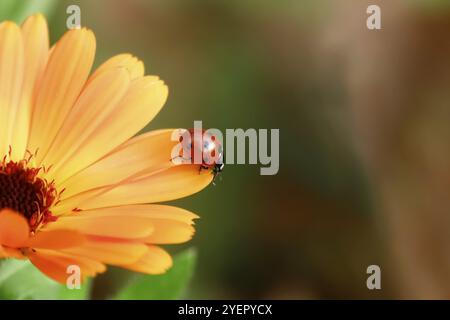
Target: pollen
(22, 190)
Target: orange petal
(3, 253)
(129, 227)
(110, 251)
(156, 224)
(62, 81)
(149, 211)
(56, 239)
(7, 252)
(14, 229)
(170, 232)
(55, 264)
(155, 261)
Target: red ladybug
(208, 149)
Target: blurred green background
(364, 152)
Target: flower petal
(149, 211)
(145, 153)
(153, 224)
(99, 99)
(55, 264)
(155, 261)
(14, 229)
(11, 77)
(36, 43)
(134, 66)
(168, 184)
(143, 100)
(56, 239)
(13, 253)
(65, 75)
(110, 251)
(128, 227)
(170, 232)
(3, 253)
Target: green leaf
(83, 293)
(18, 10)
(21, 280)
(168, 286)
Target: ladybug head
(218, 167)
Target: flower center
(24, 192)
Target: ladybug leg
(215, 173)
(202, 167)
(180, 157)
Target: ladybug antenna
(214, 178)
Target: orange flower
(75, 186)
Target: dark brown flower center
(24, 192)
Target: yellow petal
(96, 102)
(64, 76)
(35, 41)
(144, 153)
(143, 100)
(36, 44)
(155, 261)
(11, 78)
(134, 66)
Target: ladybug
(206, 146)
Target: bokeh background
(364, 138)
